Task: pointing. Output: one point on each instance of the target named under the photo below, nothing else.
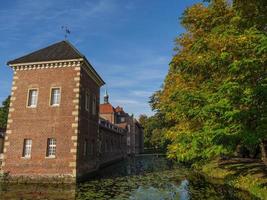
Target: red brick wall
(108, 152)
(40, 123)
(88, 125)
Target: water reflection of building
(53, 124)
(39, 191)
(118, 117)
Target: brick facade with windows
(40, 122)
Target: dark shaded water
(140, 178)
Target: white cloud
(141, 93)
(126, 102)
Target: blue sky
(129, 42)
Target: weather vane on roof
(66, 31)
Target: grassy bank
(244, 174)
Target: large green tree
(154, 128)
(214, 96)
(4, 113)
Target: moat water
(144, 177)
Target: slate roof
(59, 51)
(62, 50)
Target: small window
(94, 105)
(106, 146)
(111, 146)
(87, 101)
(27, 148)
(51, 147)
(55, 97)
(92, 147)
(85, 148)
(32, 98)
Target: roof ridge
(72, 46)
(43, 54)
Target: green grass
(244, 174)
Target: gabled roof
(59, 51)
(119, 109)
(106, 108)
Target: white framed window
(27, 148)
(32, 98)
(94, 105)
(55, 97)
(51, 147)
(87, 101)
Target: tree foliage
(214, 96)
(154, 127)
(4, 113)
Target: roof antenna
(66, 31)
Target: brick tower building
(53, 118)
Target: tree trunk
(263, 146)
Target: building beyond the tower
(117, 116)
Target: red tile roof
(106, 108)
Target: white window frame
(51, 148)
(27, 148)
(51, 103)
(29, 98)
